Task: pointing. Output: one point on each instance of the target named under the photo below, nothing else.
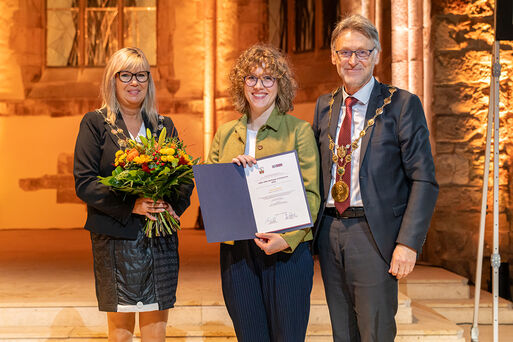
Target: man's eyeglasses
(361, 54)
(267, 80)
(126, 76)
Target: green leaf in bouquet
(165, 171)
(148, 134)
(144, 141)
(105, 180)
(134, 173)
(117, 171)
(162, 137)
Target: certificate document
(277, 193)
(238, 202)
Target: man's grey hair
(357, 23)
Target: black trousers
(361, 294)
(267, 296)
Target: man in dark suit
(378, 188)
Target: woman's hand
(271, 243)
(244, 160)
(171, 211)
(146, 207)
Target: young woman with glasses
(267, 281)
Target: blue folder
(225, 202)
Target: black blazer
(108, 212)
(397, 173)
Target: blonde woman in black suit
(132, 275)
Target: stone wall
(41, 107)
(462, 39)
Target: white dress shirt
(142, 131)
(359, 111)
(250, 142)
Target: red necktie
(344, 139)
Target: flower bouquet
(153, 169)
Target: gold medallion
(334, 157)
(340, 191)
(341, 151)
(332, 145)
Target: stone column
(428, 71)
(351, 7)
(209, 74)
(368, 10)
(11, 81)
(399, 12)
(415, 48)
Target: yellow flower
(141, 159)
(171, 159)
(163, 158)
(119, 152)
(168, 151)
(120, 158)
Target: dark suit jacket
(108, 212)
(397, 173)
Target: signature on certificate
(280, 217)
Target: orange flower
(132, 154)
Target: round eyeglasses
(127, 76)
(267, 80)
(361, 54)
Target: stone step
(427, 282)
(86, 316)
(196, 312)
(428, 326)
(461, 311)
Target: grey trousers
(361, 294)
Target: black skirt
(135, 275)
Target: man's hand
(270, 243)
(403, 261)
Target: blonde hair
(129, 59)
(273, 62)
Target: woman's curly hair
(275, 64)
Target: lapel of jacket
(240, 129)
(119, 123)
(335, 114)
(148, 125)
(375, 100)
(332, 131)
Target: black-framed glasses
(361, 54)
(267, 80)
(127, 76)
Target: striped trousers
(267, 296)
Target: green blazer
(281, 133)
